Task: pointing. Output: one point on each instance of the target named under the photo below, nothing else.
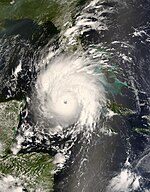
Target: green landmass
(146, 128)
(119, 108)
(40, 11)
(9, 119)
(33, 169)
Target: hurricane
(70, 92)
(75, 96)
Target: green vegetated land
(56, 11)
(33, 169)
